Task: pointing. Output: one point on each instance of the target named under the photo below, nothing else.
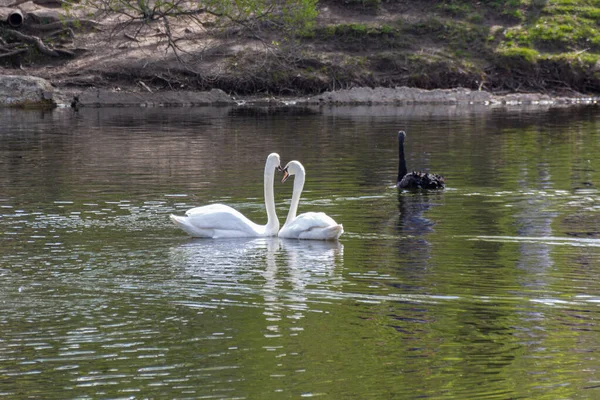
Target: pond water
(489, 289)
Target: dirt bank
(399, 52)
(397, 44)
(355, 96)
(29, 91)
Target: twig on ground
(128, 36)
(142, 84)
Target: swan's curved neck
(272, 220)
(298, 186)
(401, 161)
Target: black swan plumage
(415, 179)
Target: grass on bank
(466, 43)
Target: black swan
(415, 179)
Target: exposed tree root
(38, 43)
(11, 53)
(76, 24)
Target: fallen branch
(10, 46)
(38, 43)
(38, 2)
(13, 53)
(68, 31)
(133, 38)
(17, 3)
(65, 52)
(69, 23)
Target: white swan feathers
(310, 225)
(221, 221)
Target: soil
(136, 58)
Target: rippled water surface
(487, 290)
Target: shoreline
(32, 92)
(364, 96)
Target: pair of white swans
(221, 221)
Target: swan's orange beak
(285, 175)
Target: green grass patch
(511, 58)
(363, 3)
(512, 10)
(559, 33)
(583, 60)
(353, 32)
(455, 8)
(460, 37)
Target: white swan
(221, 221)
(310, 225)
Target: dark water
(488, 290)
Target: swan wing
(217, 221)
(211, 208)
(421, 180)
(312, 225)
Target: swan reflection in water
(283, 270)
(411, 210)
(413, 227)
(260, 291)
